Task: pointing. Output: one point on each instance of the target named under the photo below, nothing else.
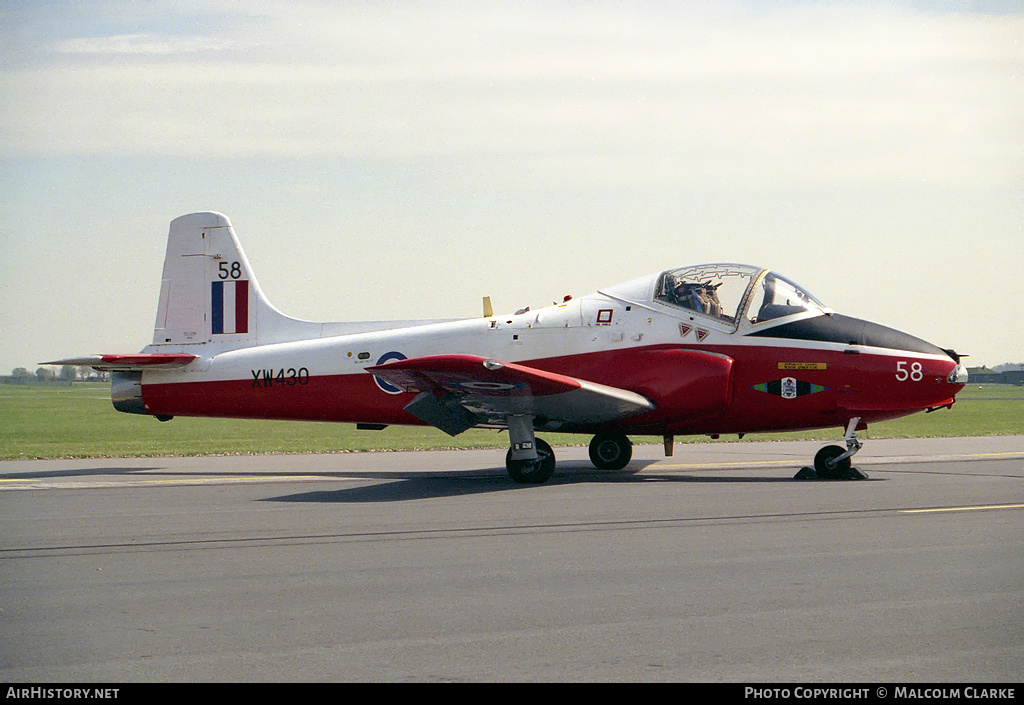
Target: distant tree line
(67, 373)
(1009, 367)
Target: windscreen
(778, 296)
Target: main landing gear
(833, 463)
(611, 451)
(531, 461)
(532, 471)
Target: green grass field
(78, 421)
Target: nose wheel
(833, 462)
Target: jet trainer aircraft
(707, 349)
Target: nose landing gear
(833, 463)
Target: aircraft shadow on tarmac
(76, 472)
(402, 487)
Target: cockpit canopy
(730, 291)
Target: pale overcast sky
(402, 159)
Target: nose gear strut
(833, 463)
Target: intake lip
(126, 392)
(958, 375)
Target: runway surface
(714, 564)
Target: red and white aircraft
(706, 349)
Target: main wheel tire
(611, 451)
(533, 472)
(821, 464)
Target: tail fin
(208, 293)
(209, 296)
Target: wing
(457, 392)
(137, 361)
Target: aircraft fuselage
(725, 383)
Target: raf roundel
(388, 357)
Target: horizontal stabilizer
(136, 361)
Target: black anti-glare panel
(851, 331)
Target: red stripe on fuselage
(694, 393)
